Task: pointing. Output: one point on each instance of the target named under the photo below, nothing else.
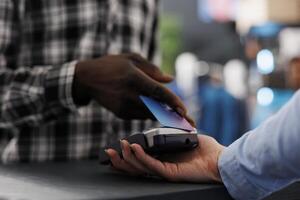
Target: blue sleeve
(265, 159)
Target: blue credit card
(166, 115)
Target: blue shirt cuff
(233, 176)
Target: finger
(129, 157)
(151, 88)
(154, 165)
(120, 164)
(131, 107)
(149, 68)
(134, 109)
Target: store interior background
(236, 62)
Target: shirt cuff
(58, 86)
(234, 177)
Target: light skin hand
(198, 165)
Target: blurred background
(236, 62)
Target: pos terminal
(176, 134)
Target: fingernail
(132, 147)
(122, 144)
(106, 151)
(168, 76)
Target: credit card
(166, 115)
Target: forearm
(265, 159)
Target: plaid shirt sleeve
(35, 95)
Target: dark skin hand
(117, 81)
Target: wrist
(80, 92)
(217, 175)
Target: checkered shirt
(40, 43)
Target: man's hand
(116, 81)
(199, 165)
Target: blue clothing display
(223, 117)
(262, 112)
(265, 159)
